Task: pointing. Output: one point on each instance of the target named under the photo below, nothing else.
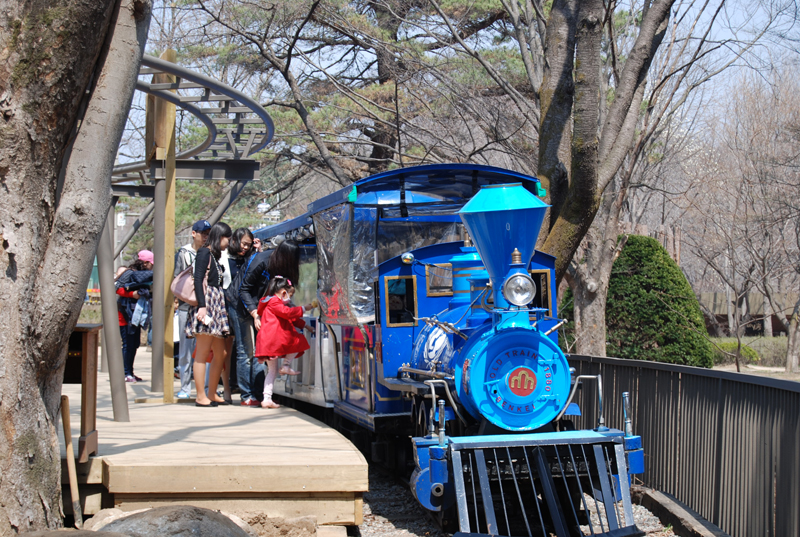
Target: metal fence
(726, 444)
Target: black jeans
(131, 335)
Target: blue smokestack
(500, 218)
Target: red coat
(278, 335)
(126, 294)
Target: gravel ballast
(391, 511)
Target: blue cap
(201, 226)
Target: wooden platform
(238, 459)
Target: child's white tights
(272, 373)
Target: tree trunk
(558, 88)
(48, 234)
(767, 318)
(570, 90)
(589, 275)
(793, 343)
(590, 320)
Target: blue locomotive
(438, 321)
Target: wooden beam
(164, 144)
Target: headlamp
(519, 289)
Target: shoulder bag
(183, 285)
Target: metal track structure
(237, 128)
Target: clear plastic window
(307, 288)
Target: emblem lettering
(522, 382)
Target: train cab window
(401, 300)
(543, 298)
(439, 279)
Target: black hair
(137, 265)
(218, 230)
(285, 261)
(278, 283)
(235, 246)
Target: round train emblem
(522, 381)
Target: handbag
(183, 285)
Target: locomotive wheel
(421, 421)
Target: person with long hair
(283, 261)
(208, 321)
(239, 253)
(134, 307)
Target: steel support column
(132, 231)
(159, 286)
(112, 343)
(227, 201)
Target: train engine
(436, 306)
(509, 463)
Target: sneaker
(130, 378)
(251, 402)
(183, 395)
(286, 370)
(138, 379)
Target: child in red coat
(278, 336)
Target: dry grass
(771, 351)
(91, 314)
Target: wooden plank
(287, 477)
(359, 511)
(87, 442)
(91, 499)
(331, 510)
(89, 473)
(87, 446)
(332, 531)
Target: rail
(726, 444)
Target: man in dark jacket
(254, 285)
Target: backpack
(232, 292)
(186, 255)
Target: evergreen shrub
(652, 312)
(724, 349)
